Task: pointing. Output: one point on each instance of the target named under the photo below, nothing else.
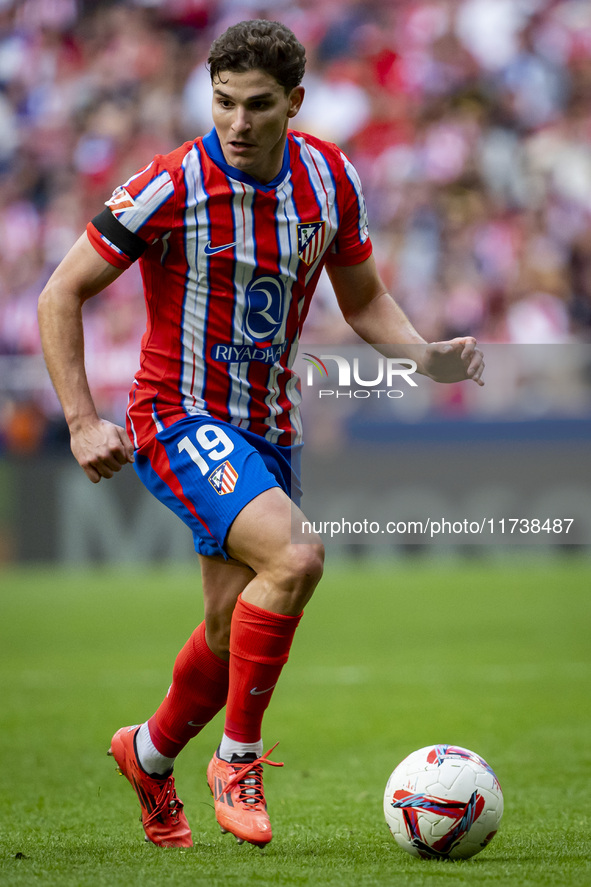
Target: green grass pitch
(492, 655)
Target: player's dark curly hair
(270, 46)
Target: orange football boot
(163, 819)
(237, 789)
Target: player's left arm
(374, 315)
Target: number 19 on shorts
(214, 442)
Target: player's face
(251, 112)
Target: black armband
(125, 240)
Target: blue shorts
(206, 471)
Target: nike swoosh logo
(210, 250)
(193, 724)
(255, 692)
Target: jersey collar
(213, 147)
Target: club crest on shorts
(223, 478)
(310, 240)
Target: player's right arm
(100, 447)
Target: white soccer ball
(443, 802)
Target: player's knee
(303, 565)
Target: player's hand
(101, 448)
(454, 361)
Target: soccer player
(232, 231)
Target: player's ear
(296, 97)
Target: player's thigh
(261, 536)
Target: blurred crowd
(469, 122)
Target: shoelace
(250, 778)
(165, 804)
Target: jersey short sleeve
(352, 244)
(137, 214)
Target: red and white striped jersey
(229, 266)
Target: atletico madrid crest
(311, 237)
(223, 478)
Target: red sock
(259, 647)
(198, 691)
